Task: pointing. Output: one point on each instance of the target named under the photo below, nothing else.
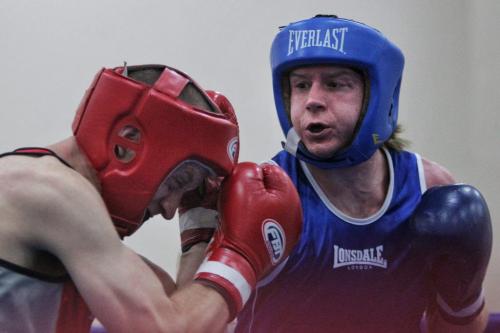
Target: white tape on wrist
(230, 274)
(198, 217)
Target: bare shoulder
(436, 174)
(32, 183)
(43, 199)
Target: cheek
(353, 108)
(295, 112)
(348, 121)
(353, 115)
(294, 119)
(358, 102)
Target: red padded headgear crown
(168, 128)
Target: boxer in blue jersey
(390, 243)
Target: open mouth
(316, 128)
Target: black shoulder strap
(36, 152)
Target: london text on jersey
(330, 38)
(371, 257)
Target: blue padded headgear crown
(337, 41)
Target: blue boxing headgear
(324, 40)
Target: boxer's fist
(260, 222)
(453, 231)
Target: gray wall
(50, 50)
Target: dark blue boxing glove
(453, 230)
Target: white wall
(481, 158)
(50, 50)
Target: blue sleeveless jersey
(348, 275)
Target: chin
(323, 152)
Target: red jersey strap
(36, 152)
(74, 314)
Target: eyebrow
(327, 73)
(292, 74)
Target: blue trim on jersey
(348, 275)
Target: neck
(358, 191)
(69, 151)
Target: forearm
(130, 307)
(201, 308)
(189, 263)
(195, 308)
(437, 324)
(166, 280)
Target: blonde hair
(395, 141)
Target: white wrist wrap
(198, 217)
(229, 274)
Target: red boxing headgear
(135, 134)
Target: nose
(315, 98)
(170, 203)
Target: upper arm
(436, 174)
(64, 215)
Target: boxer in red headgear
(143, 137)
(173, 122)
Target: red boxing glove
(224, 105)
(197, 215)
(260, 222)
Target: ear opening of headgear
(329, 40)
(136, 129)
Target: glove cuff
(231, 275)
(464, 315)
